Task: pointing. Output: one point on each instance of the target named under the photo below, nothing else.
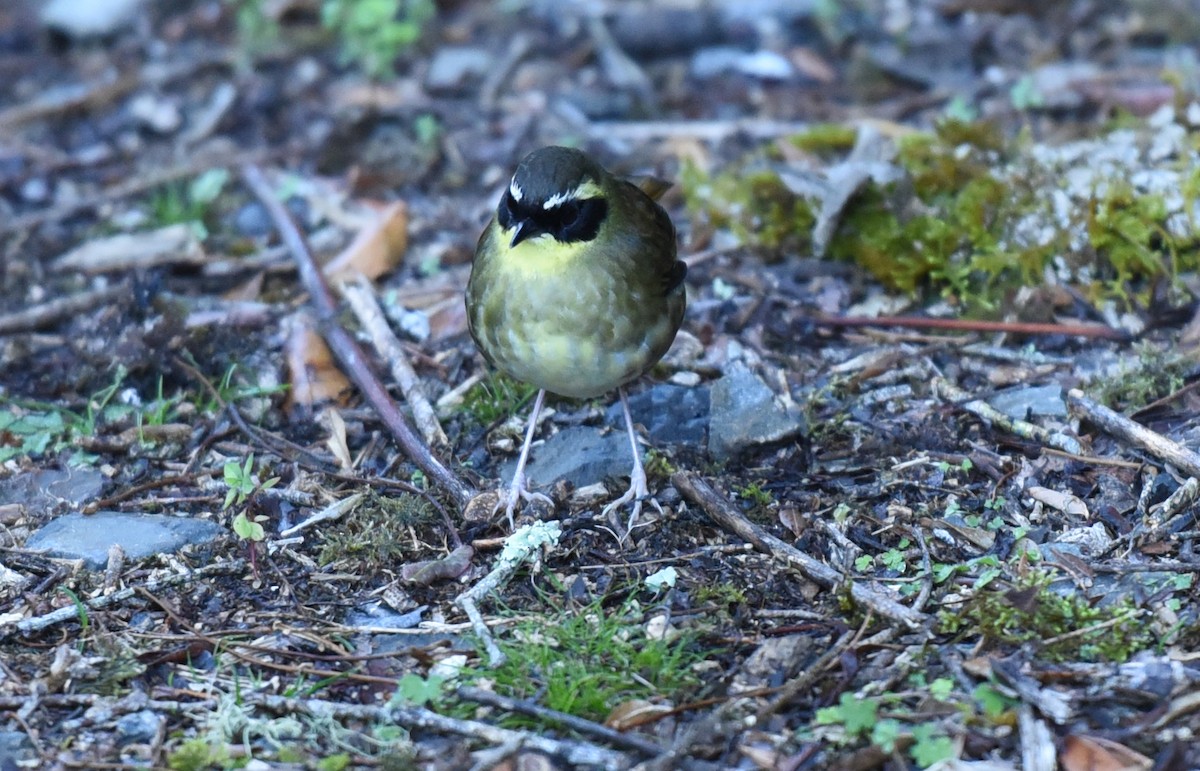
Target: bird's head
(556, 192)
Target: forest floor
(925, 450)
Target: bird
(576, 289)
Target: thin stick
(578, 724)
(976, 325)
(48, 313)
(575, 752)
(727, 516)
(1021, 428)
(349, 354)
(359, 293)
(1123, 428)
(521, 546)
(38, 623)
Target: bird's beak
(520, 233)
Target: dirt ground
(234, 237)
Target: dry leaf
(172, 245)
(250, 289)
(377, 248)
(312, 371)
(791, 518)
(337, 439)
(1064, 502)
(1093, 753)
(449, 567)
(634, 713)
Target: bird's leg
(638, 491)
(517, 490)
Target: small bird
(576, 289)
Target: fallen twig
(69, 612)
(48, 313)
(1123, 428)
(572, 751)
(976, 325)
(1021, 428)
(727, 516)
(346, 349)
(790, 689)
(361, 296)
(578, 724)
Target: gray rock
(582, 455)
(15, 750)
(765, 65)
(745, 413)
(1023, 402)
(88, 537)
(671, 414)
(251, 220)
(41, 490)
(139, 726)
(454, 65)
(375, 614)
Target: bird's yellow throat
(541, 255)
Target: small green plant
(372, 33)
(895, 559)
(721, 594)
(756, 495)
(242, 482)
(197, 755)
(859, 718)
(81, 613)
(657, 465)
(375, 533)
(587, 662)
(496, 397)
(191, 202)
(418, 691)
(42, 427)
(1157, 371)
(1065, 627)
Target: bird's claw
(637, 493)
(515, 492)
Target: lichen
(974, 215)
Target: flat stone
(582, 455)
(746, 413)
(1024, 402)
(452, 66)
(47, 488)
(15, 750)
(671, 414)
(89, 537)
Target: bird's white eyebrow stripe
(559, 198)
(514, 190)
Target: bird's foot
(637, 493)
(518, 492)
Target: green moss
(825, 138)
(376, 533)
(1158, 371)
(1063, 627)
(970, 220)
(1126, 228)
(496, 397)
(754, 204)
(587, 662)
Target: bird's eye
(577, 219)
(568, 213)
(506, 212)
